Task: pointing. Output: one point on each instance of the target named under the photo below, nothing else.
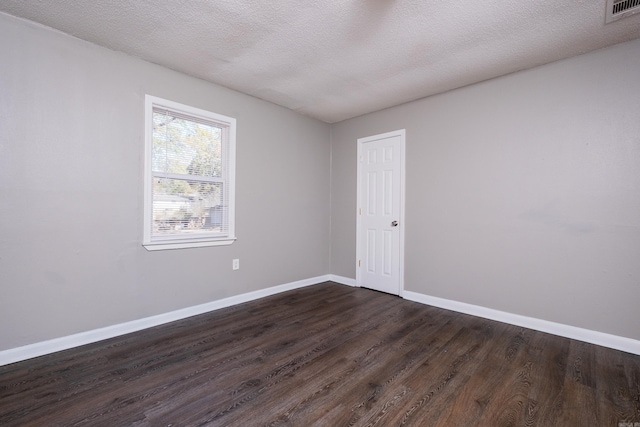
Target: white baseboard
(342, 280)
(594, 337)
(63, 343)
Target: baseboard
(594, 337)
(58, 344)
(342, 280)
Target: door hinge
(360, 211)
(359, 263)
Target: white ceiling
(337, 59)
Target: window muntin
(189, 176)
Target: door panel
(380, 198)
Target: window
(189, 176)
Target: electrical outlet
(236, 264)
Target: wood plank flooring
(326, 355)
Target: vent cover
(618, 9)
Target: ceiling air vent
(618, 9)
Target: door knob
(394, 223)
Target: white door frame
(359, 250)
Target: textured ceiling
(337, 59)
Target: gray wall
(71, 146)
(523, 192)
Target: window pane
(186, 147)
(189, 176)
(186, 206)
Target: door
(380, 215)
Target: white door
(380, 236)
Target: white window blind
(189, 188)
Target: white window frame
(176, 241)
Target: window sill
(161, 246)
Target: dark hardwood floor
(326, 355)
